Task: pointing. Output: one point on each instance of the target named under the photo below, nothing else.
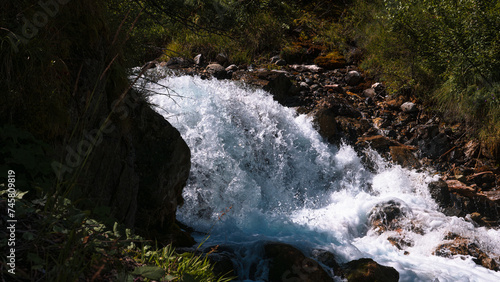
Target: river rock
(465, 247)
(386, 216)
(404, 156)
(440, 193)
(232, 68)
(368, 270)
(278, 84)
(409, 107)
(378, 87)
(217, 70)
(378, 142)
(352, 78)
(369, 93)
(286, 263)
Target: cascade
(260, 172)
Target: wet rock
(465, 247)
(278, 84)
(326, 124)
(377, 142)
(368, 270)
(327, 258)
(440, 193)
(350, 128)
(286, 263)
(222, 260)
(404, 156)
(409, 107)
(353, 78)
(386, 216)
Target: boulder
(368, 270)
(218, 71)
(353, 78)
(386, 216)
(286, 263)
(163, 162)
(232, 68)
(378, 87)
(409, 107)
(440, 193)
(404, 156)
(459, 245)
(277, 84)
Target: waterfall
(260, 172)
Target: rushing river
(261, 173)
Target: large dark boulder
(163, 162)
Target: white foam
(283, 183)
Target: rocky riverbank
(348, 107)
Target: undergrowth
(447, 52)
(62, 243)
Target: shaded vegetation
(446, 52)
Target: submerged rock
(459, 245)
(289, 264)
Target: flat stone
(409, 107)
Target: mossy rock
(332, 60)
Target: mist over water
(260, 172)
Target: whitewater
(261, 172)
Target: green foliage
(445, 50)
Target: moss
(332, 60)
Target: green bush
(448, 51)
